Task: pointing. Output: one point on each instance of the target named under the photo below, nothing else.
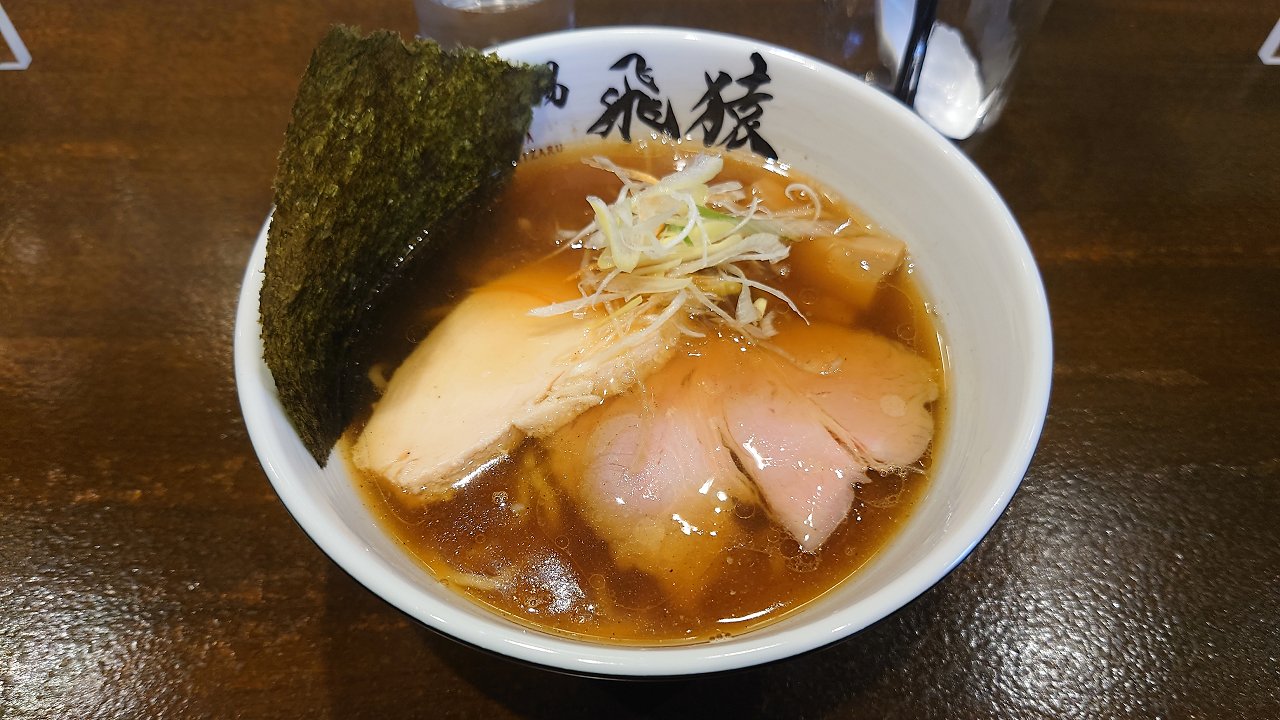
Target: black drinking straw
(913, 56)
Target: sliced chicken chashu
(491, 374)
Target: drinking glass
(481, 23)
(958, 76)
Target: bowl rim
(506, 638)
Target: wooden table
(147, 569)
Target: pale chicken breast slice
(489, 375)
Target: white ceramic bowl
(972, 262)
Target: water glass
(482, 23)
(969, 54)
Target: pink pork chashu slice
(654, 477)
(874, 391)
(803, 428)
(489, 375)
(807, 427)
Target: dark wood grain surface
(147, 569)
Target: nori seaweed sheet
(388, 145)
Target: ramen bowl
(970, 259)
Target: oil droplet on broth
(803, 562)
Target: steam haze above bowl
(971, 261)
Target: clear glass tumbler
(481, 23)
(970, 53)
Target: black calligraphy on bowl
(729, 113)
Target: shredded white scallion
(671, 250)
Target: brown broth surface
(512, 539)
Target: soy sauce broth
(512, 539)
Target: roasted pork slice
(875, 393)
(807, 420)
(491, 374)
(803, 420)
(783, 442)
(849, 268)
(654, 478)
